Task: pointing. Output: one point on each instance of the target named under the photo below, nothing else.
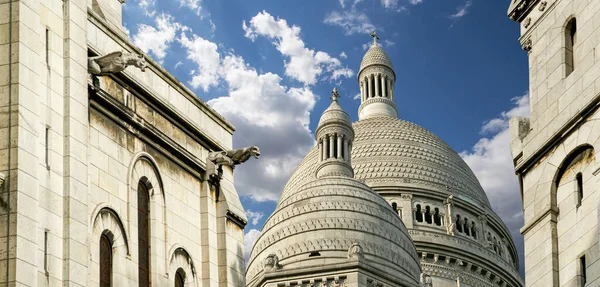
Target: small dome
(375, 56)
(334, 113)
(322, 223)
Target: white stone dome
(316, 225)
(375, 56)
(397, 153)
(334, 113)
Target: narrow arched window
(179, 278)
(105, 261)
(419, 214)
(395, 207)
(428, 214)
(570, 47)
(579, 179)
(436, 217)
(459, 225)
(143, 213)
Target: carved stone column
(339, 147)
(331, 145)
(362, 91)
(321, 151)
(391, 90)
(325, 147)
(383, 86)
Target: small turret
(334, 136)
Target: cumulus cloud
(205, 55)
(415, 2)
(271, 116)
(462, 11)
(352, 21)
(193, 5)
(147, 7)
(491, 161)
(156, 40)
(303, 64)
(389, 4)
(254, 216)
(343, 55)
(249, 239)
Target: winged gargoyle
(230, 158)
(115, 62)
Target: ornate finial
(375, 37)
(335, 95)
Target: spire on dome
(376, 78)
(375, 38)
(334, 135)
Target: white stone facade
(554, 150)
(78, 147)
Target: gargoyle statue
(115, 62)
(228, 158)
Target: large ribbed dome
(375, 56)
(317, 225)
(397, 153)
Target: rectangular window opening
(47, 147)
(582, 267)
(47, 47)
(46, 253)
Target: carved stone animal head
(139, 62)
(254, 151)
(271, 262)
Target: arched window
(395, 207)
(467, 228)
(105, 261)
(579, 179)
(459, 225)
(571, 42)
(179, 278)
(436, 217)
(428, 214)
(419, 214)
(143, 202)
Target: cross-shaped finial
(335, 95)
(375, 37)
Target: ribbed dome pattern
(334, 113)
(328, 216)
(375, 55)
(393, 152)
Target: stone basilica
(382, 202)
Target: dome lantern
(376, 79)
(334, 135)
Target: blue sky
(269, 67)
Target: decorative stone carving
(543, 5)
(271, 263)
(449, 222)
(527, 22)
(2, 179)
(527, 45)
(217, 159)
(426, 280)
(115, 62)
(355, 252)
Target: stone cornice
(130, 121)
(119, 37)
(518, 9)
(236, 219)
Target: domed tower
(333, 230)
(459, 238)
(376, 79)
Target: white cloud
(271, 116)
(204, 53)
(415, 2)
(352, 21)
(178, 64)
(389, 42)
(461, 11)
(491, 161)
(343, 55)
(249, 240)
(356, 97)
(253, 216)
(157, 39)
(389, 4)
(303, 64)
(193, 5)
(147, 7)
